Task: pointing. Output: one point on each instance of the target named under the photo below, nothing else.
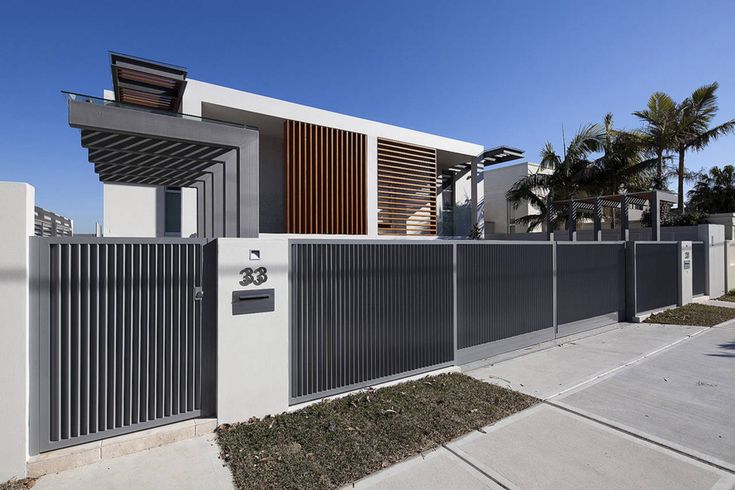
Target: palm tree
(622, 167)
(566, 179)
(694, 116)
(660, 131)
(714, 192)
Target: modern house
(500, 215)
(294, 169)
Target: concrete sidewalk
(607, 421)
(193, 463)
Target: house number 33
(255, 277)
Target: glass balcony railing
(88, 99)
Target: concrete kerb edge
(596, 378)
(643, 436)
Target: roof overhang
(147, 83)
(132, 146)
(500, 154)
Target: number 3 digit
(247, 276)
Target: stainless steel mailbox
(253, 301)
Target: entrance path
(193, 463)
(640, 406)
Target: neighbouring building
(500, 214)
(233, 163)
(47, 223)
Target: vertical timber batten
(324, 169)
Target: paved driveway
(640, 406)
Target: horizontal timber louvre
(119, 332)
(406, 189)
(325, 180)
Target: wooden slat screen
(325, 180)
(406, 189)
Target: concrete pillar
(729, 264)
(655, 207)
(597, 236)
(549, 218)
(252, 349)
(572, 221)
(624, 219)
(16, 222)
(713, 237)
(685, 273)
(631, 293)
(473, 193)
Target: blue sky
(491, 72)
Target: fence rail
(119, 336)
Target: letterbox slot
(255, 301)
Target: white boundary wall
(16, 222)
(252, 349)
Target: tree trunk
(680, 202)
(660, 170)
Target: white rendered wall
(131, 211)
(252, 349)
(713, 237)
(138, 211)
(16, 222)
(498, 181)
(188, 212)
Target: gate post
(684, 268)
(631, 294)
(16, 221)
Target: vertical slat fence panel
(124, 336)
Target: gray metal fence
(590, 284)
(699, 269)
(656, 275)
(504, 290)
(118, 334)
(367, 312)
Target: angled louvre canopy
(147, 83)
(130, 144)
(135, 159)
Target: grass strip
(337, 442)
(694, 314)
(21, 484)
(730, 296)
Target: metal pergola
(130, 144)
(595, 205)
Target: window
(172, 211)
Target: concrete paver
(193, 463)
(551, 448)
(545, 373)
(436, 469)
(685, 395)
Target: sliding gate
(118, 327)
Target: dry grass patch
(334, 443)
(14, 484)
(730, 296)
(694, 314)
